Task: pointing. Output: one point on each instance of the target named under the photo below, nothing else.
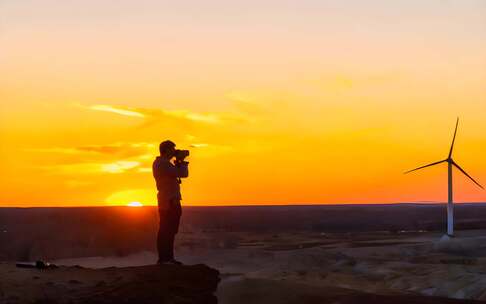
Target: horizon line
(249, 205)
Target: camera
(181, 154)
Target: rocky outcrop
(138, 285)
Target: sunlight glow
(135, 204)
(129, 197)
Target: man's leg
(163, 237)
(170, 246)
(175, 217)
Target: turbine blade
(432, 164)
(465, 173)
(453, 139)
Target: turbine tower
(450, 203)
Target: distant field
(27, 233)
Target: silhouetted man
(167, 176)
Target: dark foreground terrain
(308, 254)
(263, 292)
(171, 284)
(133, 285)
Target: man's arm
(179, 170)
(183, 167)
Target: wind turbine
(450, 162)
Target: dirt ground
(404, 264)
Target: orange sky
(281, 102)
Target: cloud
(197, 117)
(121, 149)
(247, 103)
(204, 150)
(151, 114)
(119, 166)
(117, 110)
(95, 159)
(93, 168)
(54, 150)
(199, 145)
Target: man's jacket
(167, 177)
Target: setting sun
(135, 204)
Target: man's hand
(179, 162)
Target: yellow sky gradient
(279, 102)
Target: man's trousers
(170, 216)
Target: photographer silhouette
(168, 176)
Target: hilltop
(129, 285)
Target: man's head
(167, 149)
